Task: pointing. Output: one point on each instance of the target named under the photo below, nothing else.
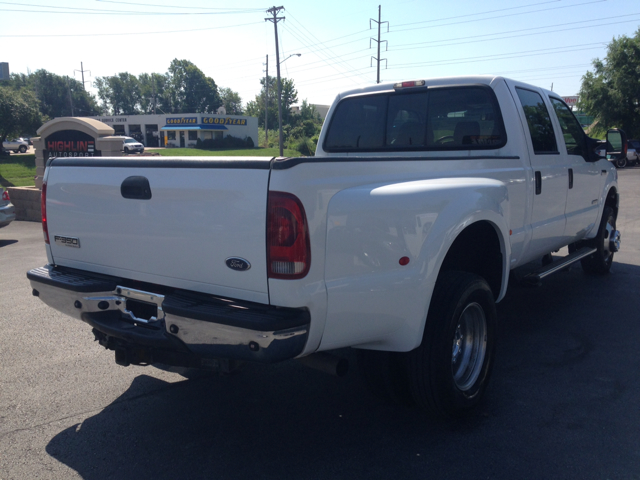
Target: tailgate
(201, 213)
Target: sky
(549, 43)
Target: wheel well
(477, 250)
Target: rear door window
(460, 118)
(543, 137)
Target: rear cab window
(424, 119)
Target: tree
(120, 94)
(231, 101)
(190, 90)
(256, 108)
(611, 93)
(153, 93)
(59, 96)
(19, 112)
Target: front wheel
(449, 371)
(607, 242)
(23, 149)
(621, 162)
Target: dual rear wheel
(449, 372)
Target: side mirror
(616, 144)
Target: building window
(193, 135)
(171, 135)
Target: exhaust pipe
(327, 363)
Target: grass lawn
(17, 170)
(248, 152)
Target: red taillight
(413, 83)
(288, 251)
(43, 205)
(5, 196)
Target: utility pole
(274, 11)
(266, 107)
(82, 71)
(70, 98)
(378, 41)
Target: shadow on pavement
(6, 243)
(562, 404)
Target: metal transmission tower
(378, 41)
(82, 70)
(274, 11)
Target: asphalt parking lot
(564, 401)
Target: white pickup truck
(397, 238)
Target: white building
(181, 130)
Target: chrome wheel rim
(610, 238)
(469, 346)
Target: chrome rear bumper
(166, 320)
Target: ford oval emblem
(237, 263)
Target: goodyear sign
(182, 121)
(223, 121)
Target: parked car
(7, 210)
(16, 145)
(633, 152)
(131, 145)
(631, 158)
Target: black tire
(600, 261)
(16, 151)
(621, 162)
(126, 150)
(448, 381)
(22, 149)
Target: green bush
(305, 146)
(226, 142)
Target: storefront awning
(194, 127)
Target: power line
(219, 11)
(478, 13)
(476, 38)
(111, 12)
(325, 51)
(130, 33)
(499, 16)
(175, 6)
(504, 56)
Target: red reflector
(404, 261)
(288, 250)
(43, 204)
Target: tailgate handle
(136, 188)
